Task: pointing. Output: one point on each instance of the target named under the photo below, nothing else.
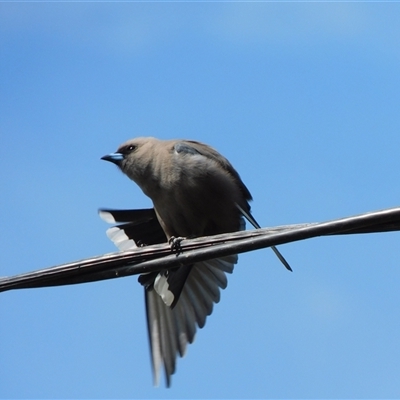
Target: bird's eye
(130, 148)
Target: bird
(195, 192)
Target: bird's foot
(175, 243)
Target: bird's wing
(193, 147)
(170, 329)
(140, 227)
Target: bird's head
(135, 158)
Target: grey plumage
(193, 188)
(195, 192)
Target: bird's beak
(113, 157)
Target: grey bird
(195, 192)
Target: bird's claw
(175, 243)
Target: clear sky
(302, 98)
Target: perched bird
(195, 192)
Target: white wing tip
(161, 286)
(107, 217)
(120, 239)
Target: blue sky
(303, 98)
